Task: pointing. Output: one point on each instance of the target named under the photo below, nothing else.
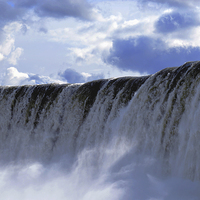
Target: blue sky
(44, 41)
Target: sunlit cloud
(13, 77)
(1, 56)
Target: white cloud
(8, 51)
(7, 46)
(1, 57)
(15, 56)
(13, 77)
(12, 27)
(130, 23)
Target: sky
(75, 41)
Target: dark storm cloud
(14, 10)
(8, 13)
(174, 21)
(173, 3)
(72, 76)
(60, 9)
(57, 8)
(145, 54)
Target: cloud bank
(147, 54)
(52, 8)
(9, 13)
(12, 77)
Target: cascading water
(124, 138)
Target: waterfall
(105, 139)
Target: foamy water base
(125, 138)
